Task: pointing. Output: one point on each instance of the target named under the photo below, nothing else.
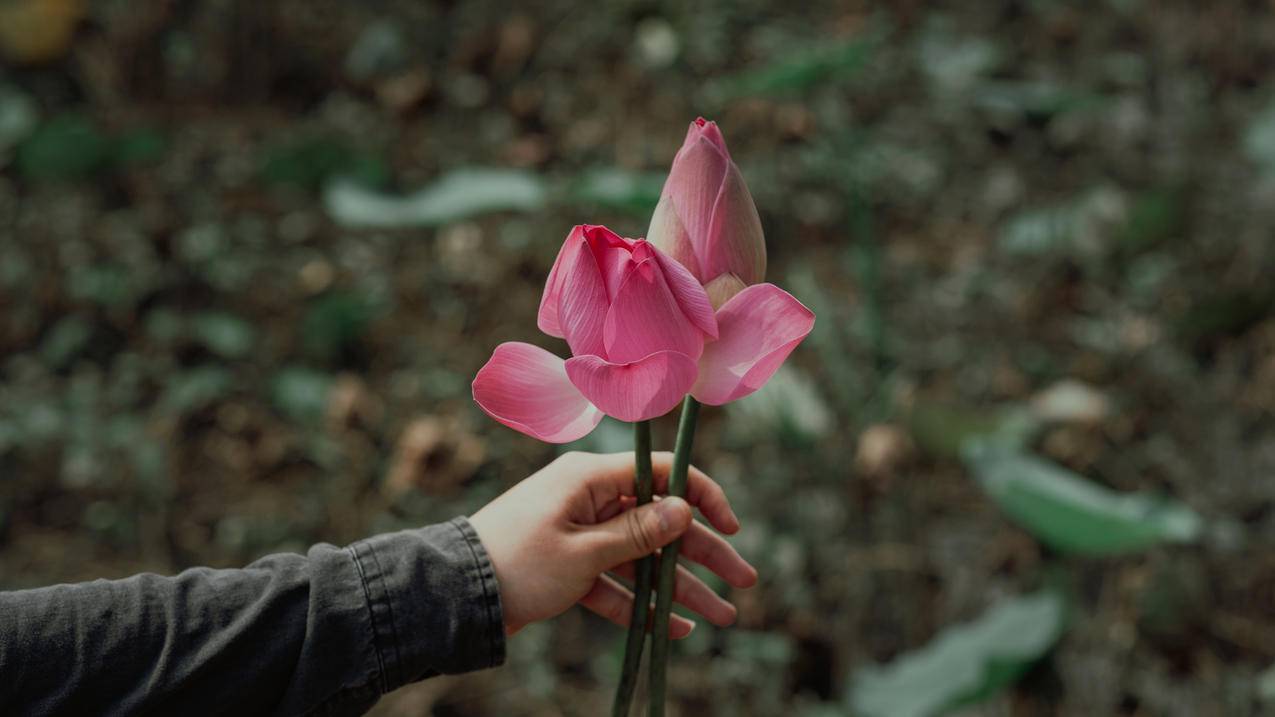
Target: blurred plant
(963, 664)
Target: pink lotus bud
(706, 218)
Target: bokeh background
(252, 253)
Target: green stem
(642, 581)
(668, 561)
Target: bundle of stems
(645, 569)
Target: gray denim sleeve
(326, 633)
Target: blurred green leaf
(1155, 216)
(66, 340)
(224, 334)
(335, 322)
(194, 389)
(965, 663)
(311, 162)
(1226, 312)
(789, 407)
(301, 393)
(1072, 514)
(455, 196)
(18, 116)
(66, 147)
(636, 193)
(1036, 100)
(138, 147)
(800, 70)
(1259, 138)
(943, 430)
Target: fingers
(703, 546)
(614, 602)
(690, 591)
(613, 477)
(637, 532)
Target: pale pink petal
(636, 391)
(645, 318)
(669, 234)
(693, 184)
(758, 328)
(734, 243)
(547, 317)
(582, 302)
(527, 389)
(690, 295)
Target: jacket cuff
(433, 600)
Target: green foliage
(311, 162)
(224, 334)
(1155, 217)
(335, 322)
(801, 70)
(634, 193)
(943, 430)
(1228, 312)
(67, 147)
(72, 147)
(300, 393)
(459, 195)
(192, 390)
(965, 663)
(1072, 514)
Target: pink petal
(759, 327)
(734, 243)
(636, 391)
(669, 234)
(547, 317)
(527, 389)
(708, 130)
(613, 254)
(582, 303)
(690, 295)
(645, 318)
(693, 184)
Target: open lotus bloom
(642, 334)
(706, 218)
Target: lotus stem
(668, 561)
(644, 572)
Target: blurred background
(252, 254)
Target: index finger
(616, 478)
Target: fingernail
(668, 511)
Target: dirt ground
(994, 207)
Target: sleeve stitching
(389, 605)
(482, 574)
(367, 594)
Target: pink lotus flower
(706, 218)
(642, 335)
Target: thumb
(639, 532)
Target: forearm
(289, 634)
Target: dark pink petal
(527, 389)
(636, 391)
(734, 243)
(645, 318)
(758, 328)
(582, 302)
(613, 254)
(690, 295)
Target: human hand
(553, 537)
